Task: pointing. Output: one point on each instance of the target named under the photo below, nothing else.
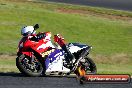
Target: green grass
(109, 37)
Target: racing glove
(38, 37)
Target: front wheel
(27, 67)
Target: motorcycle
(42, 57)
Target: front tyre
(27, 67)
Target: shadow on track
(11, 74)
(15, 74)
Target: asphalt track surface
(15, 80)
(112, 4)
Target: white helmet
(27, 30)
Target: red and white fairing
(47, 42)
(41, 46)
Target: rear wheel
(28, 67)
(90, 66)
(87, 66)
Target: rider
(31, 33)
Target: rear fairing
(75, 47)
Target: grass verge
(8, 64)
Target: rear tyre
(90, 66)
(25, 66)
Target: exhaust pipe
(85, 51)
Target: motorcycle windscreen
(54, 62)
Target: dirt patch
(8, 57)
(20, 0)
(17, 0)
(113, 59)
(87, 12)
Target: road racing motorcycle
(42, 57)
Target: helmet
(28, 30)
